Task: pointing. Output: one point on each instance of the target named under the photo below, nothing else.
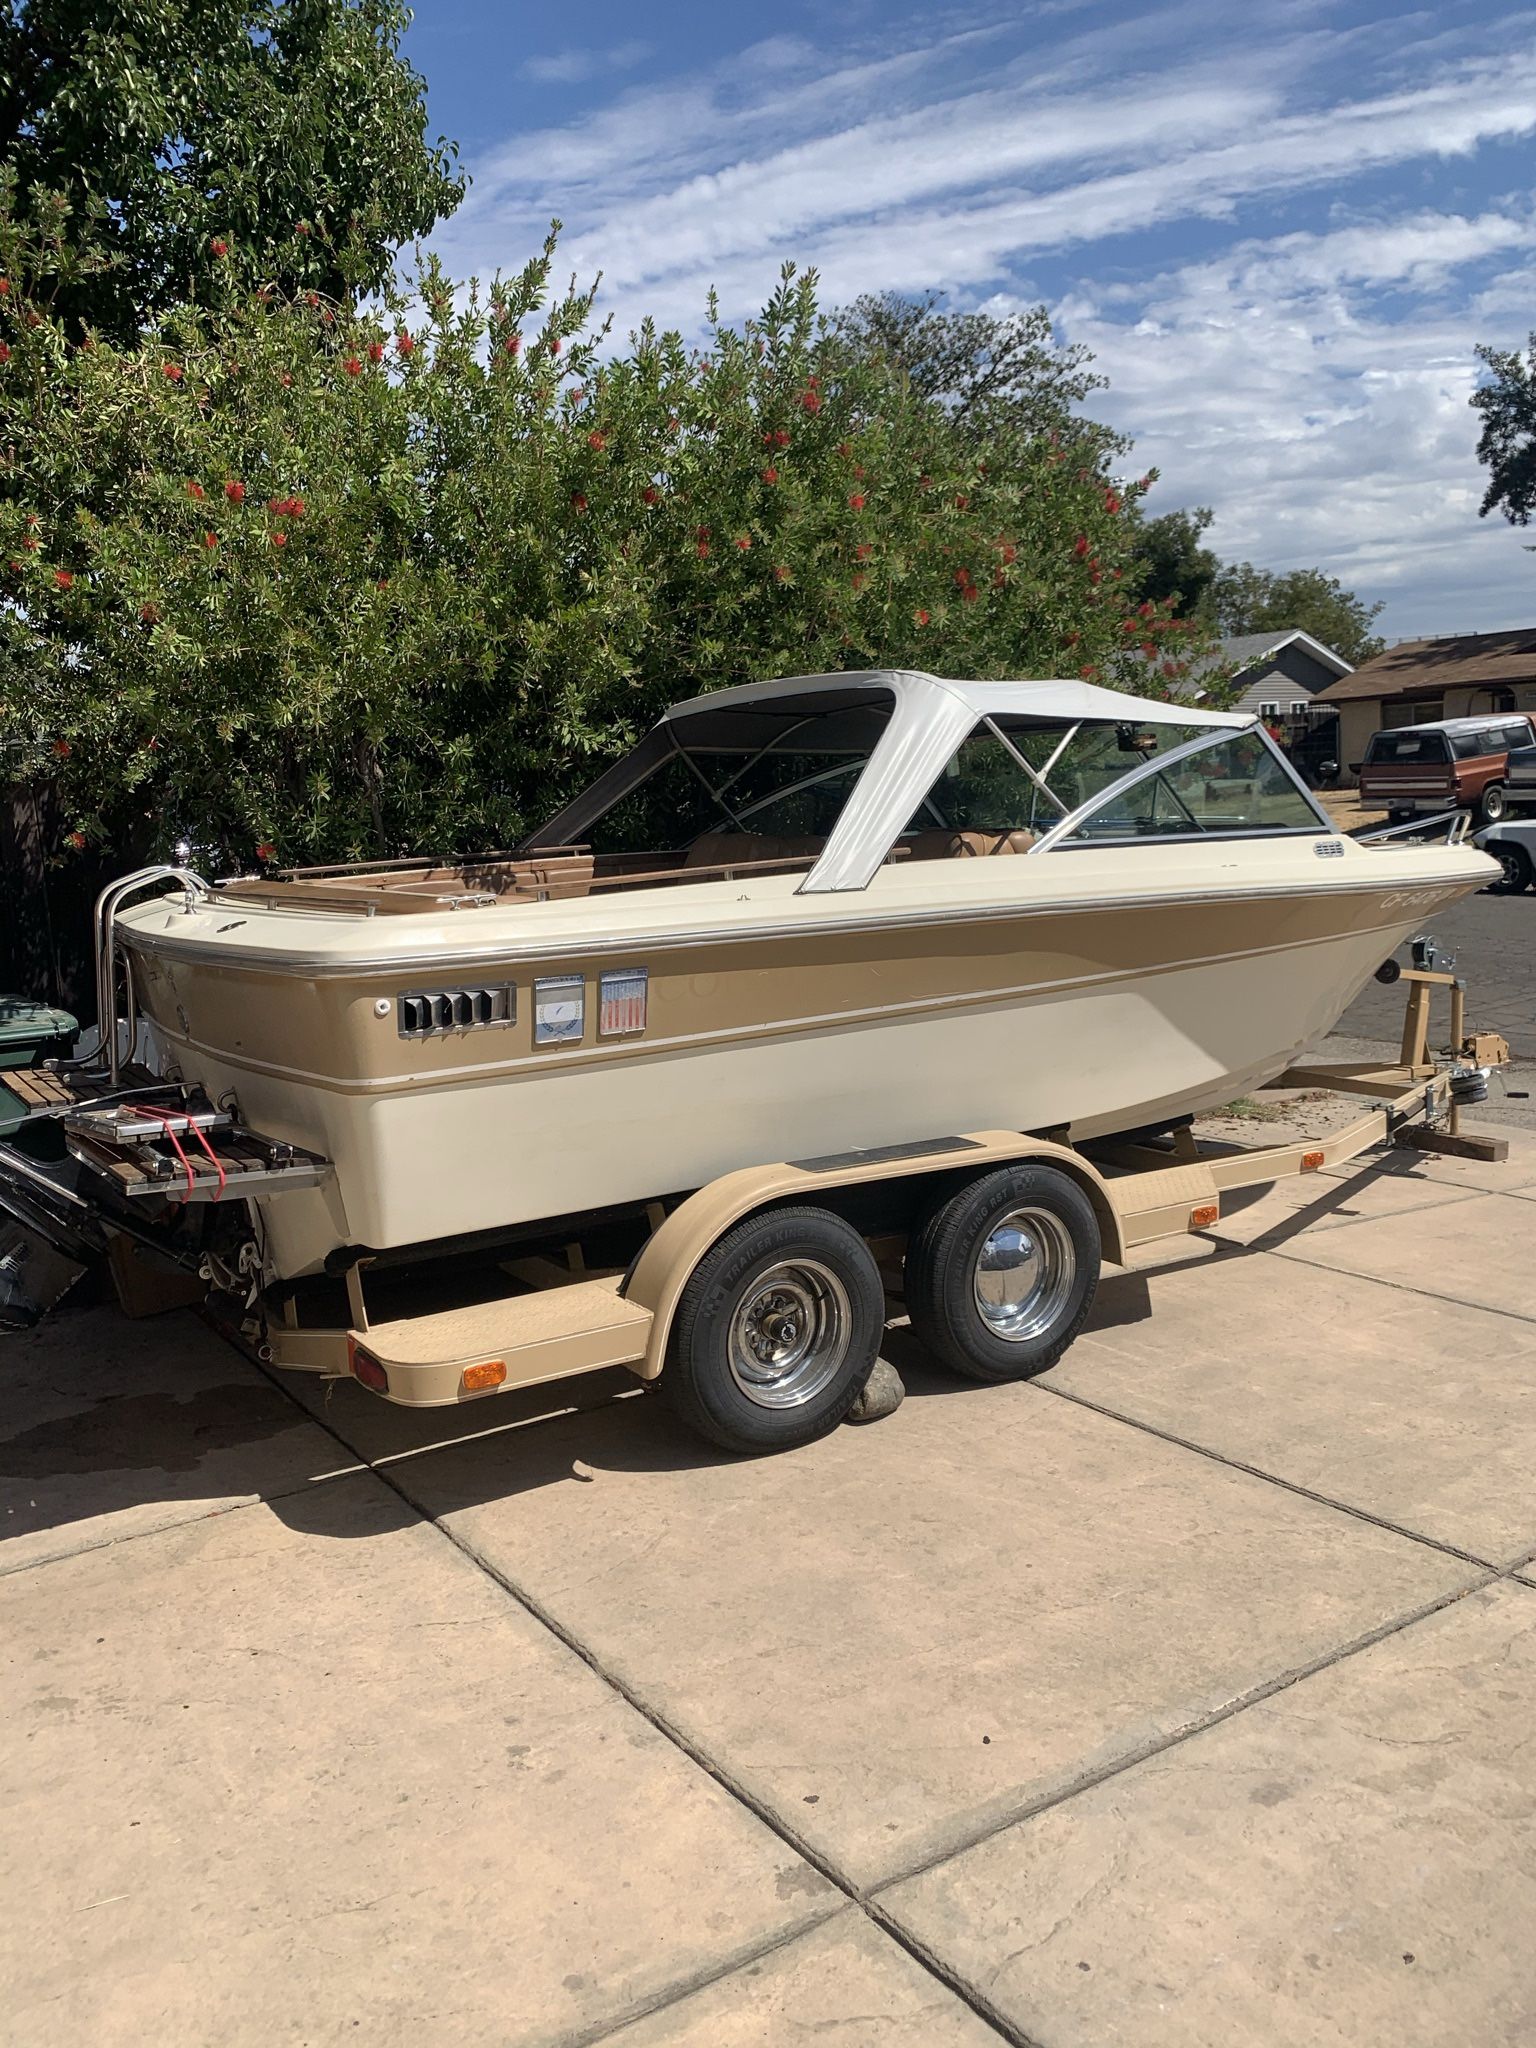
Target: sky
(1282, 228)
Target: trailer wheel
(1000, 1278)
(776, 1332)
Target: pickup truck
(1451, 764)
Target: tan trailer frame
(571, 1321)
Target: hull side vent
(428, 1013)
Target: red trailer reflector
(1203, 1217)
(1311, 1161)
(367, 1369)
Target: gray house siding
(1284, 678)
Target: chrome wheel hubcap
(1024, 1274)
(790, 1334)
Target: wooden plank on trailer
(23, 1083)
(1458, 1144)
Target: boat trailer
(113, 1166)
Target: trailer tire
(1001, 1276)
(776, 1331)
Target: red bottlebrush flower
(743, 541)
(296, 508)
(150, 614)
(1095, 576)
(1116, 573)
(672, 424)
(301, 227)
(76, 840)
(811, 400)
(812, 381)
(781, 437)
(235, 492)
(856, 502)
(1111, 502)
(925, 483)
(286, 381)
(578, 394)
(63, 749)
(171, 370)
(701, 533)
(781, 573)
(970, 593)
(63, 579)
(210, 539)
(999, 580)
(5, 287)
(650, 495)
(858, 579)
(30, 543)
(1080, 546)
(922, 617)
(554, 346)
(770, 476)
(1010, 552)
(1128, 626)
(578, 501)
(597, 440)
(844, 449)
(701, 549)
(265, 849)
(512, 344)
(1087, 671)
(151, 746)
(279, 540)
(219, 246)
(1170, 669)
(5, 354)
(1073, 637)
(14, 568)
(353, 367)
(1146, 608)
(962, 503)
(311, 298)
(1148, 649)
(375, 351)
(962, 577)
(195, 489)
(863, 551)
(405, 342)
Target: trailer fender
(663, 1268)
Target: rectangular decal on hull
(559, 1009)
(621, 1005)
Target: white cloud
(575, 66)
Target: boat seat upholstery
(740, 849)
(940, 845)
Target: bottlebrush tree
(301, 580)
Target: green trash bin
(30, 1032)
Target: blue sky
(1281, 228)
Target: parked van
(1452, 763)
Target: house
(1453, 677)
(1279, 673)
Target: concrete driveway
(1182, 1697)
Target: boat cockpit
(835, 777)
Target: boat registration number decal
(622, 1002)
(559, 1009)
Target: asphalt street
(1493, 939)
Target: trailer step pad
(544, 1335)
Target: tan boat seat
(738, 849)
(938, 845)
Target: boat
(801, 918)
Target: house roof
(1423, 668)
(1248, 650)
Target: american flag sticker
(621, 1003)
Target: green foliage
(1000, 377)
(1507, 445)
(333, 581)
(1249, 600)
(1172, 564)
(181, 147)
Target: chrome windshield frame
(1146, 770)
